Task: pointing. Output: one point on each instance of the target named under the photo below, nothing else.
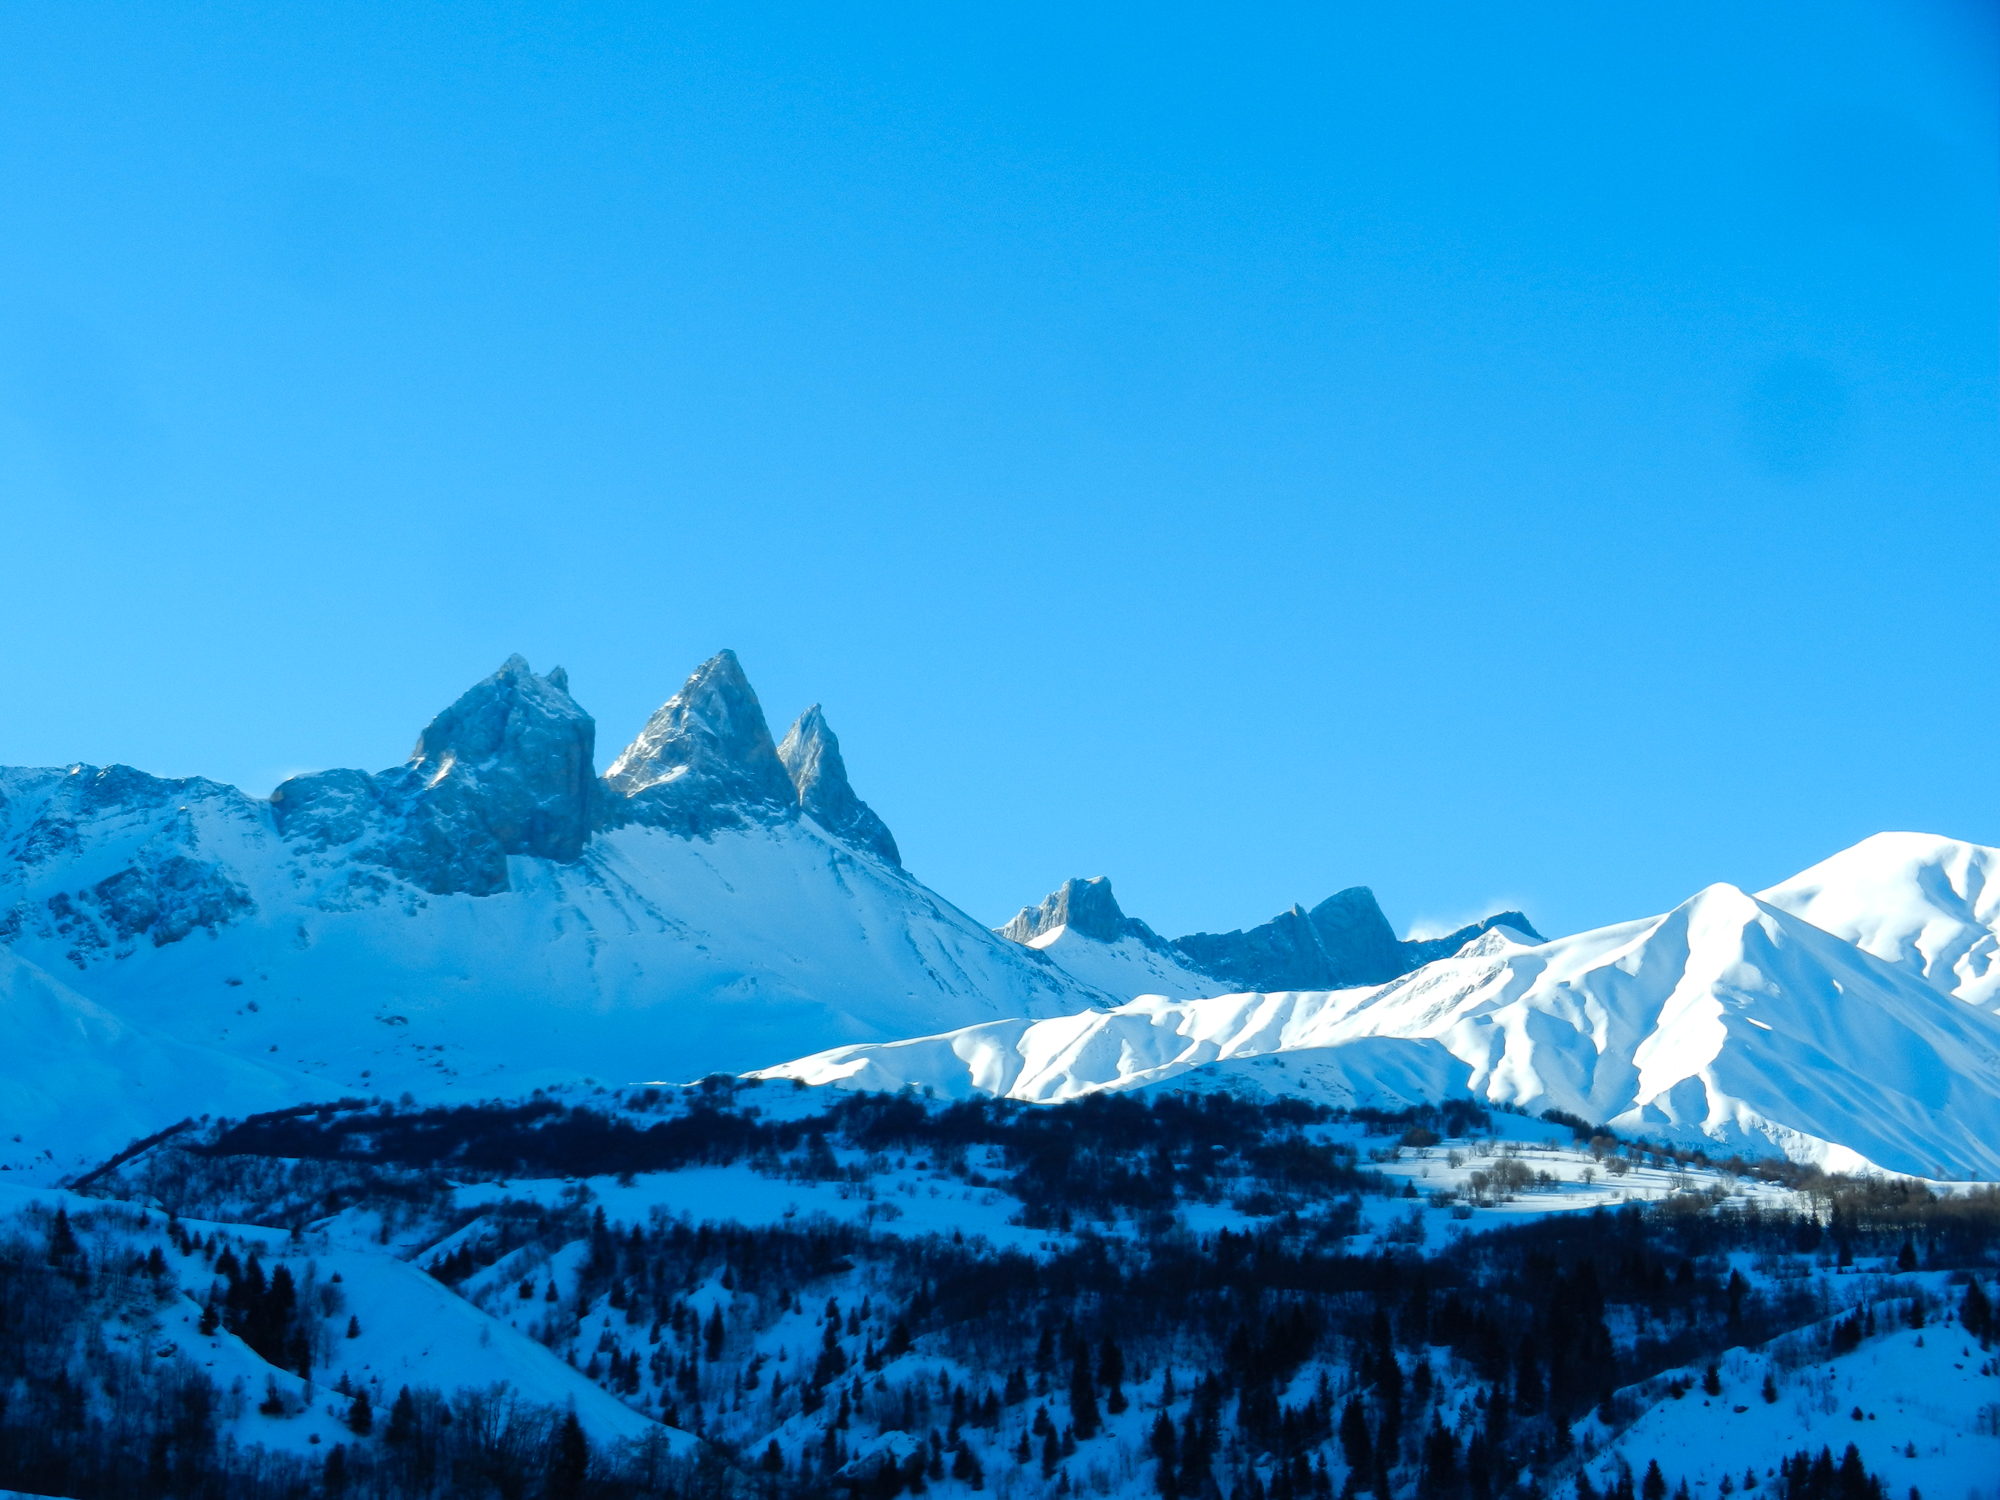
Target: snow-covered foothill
(1922, 1407)
(409, 1329)
(78, 1083)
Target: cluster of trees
(1091, 1160)
(265, 1312)
(1265, 1364)
(94, 1405)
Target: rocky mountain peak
(1085, 907)
(810, 754)
(704, 761)
(1360, 945)
(512, 715)
(507, 769)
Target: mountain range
(494, 916)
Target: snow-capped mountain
(1928, 904)
(1728, 1022)
(1345, 940)
(493, 915)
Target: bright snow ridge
(1727, 1023)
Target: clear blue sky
(1537, 454)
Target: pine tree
(1111, 1372)
(1355, 1443)
(1654, 1485)
(361, 1416)
(62, 1240)
(1083, 1415)
(569, 1464)
(1976, 1311)
(402, 1419)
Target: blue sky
(1526, 454)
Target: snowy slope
(78, 1084)
(1726, 1022)
(1927, 903)
(1125, 967)
(411, 1330)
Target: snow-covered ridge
(1343, 941)
(1727, 1022)
(1928, 904)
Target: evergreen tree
(1083, 1418)
(1355, 1444)
(62, 1240)
(1111, 1372)
(569, 1464)
(402, 1419)
(1165, 1449)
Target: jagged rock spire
(506, 769)
(1085, 907)
(704, 761)
(810, 755)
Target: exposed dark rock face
(1342, 942)
(167, 898)
(1283, 954)
(704, 762)
(810, 755)
(507, 769)
(163, 892)
(1359, 944)
(1086, 907)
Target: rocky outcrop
(810, 754)
(160, 890)
(1343, 942)
(703, 763)
(1085, 907)
(505, 770)
(1359, 944)
(1283, 954)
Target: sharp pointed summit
(704, 761)
(810, 755)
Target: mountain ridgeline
(508, 770)
(1342, 942)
